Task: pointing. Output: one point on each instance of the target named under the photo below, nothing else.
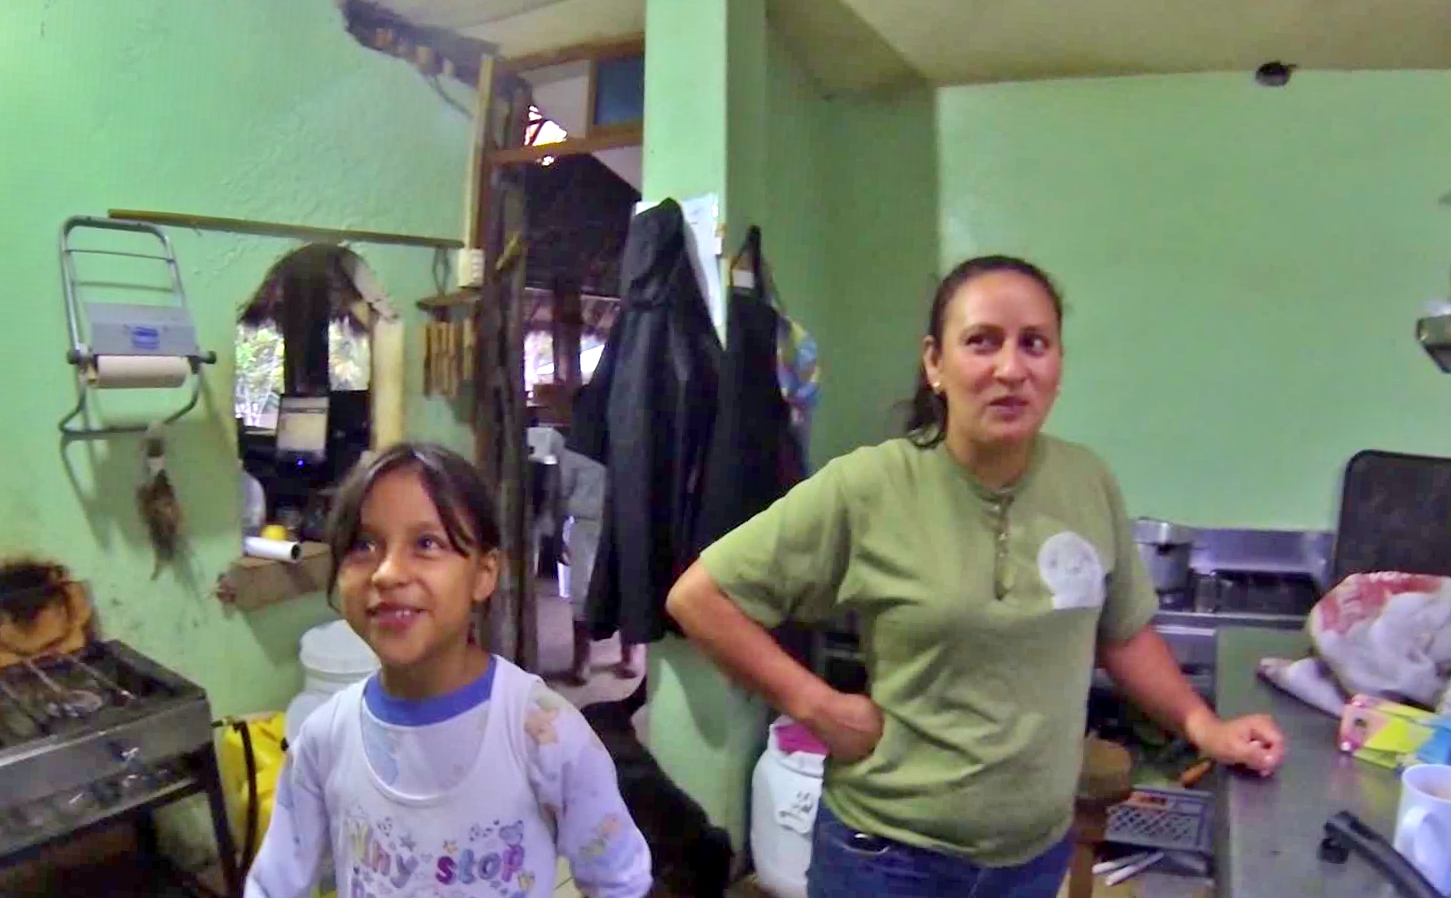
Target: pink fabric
(794, 737)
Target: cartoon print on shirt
(380, 865)
(495, 865)
(539, 724)
(1072, 571)
(603, 849)
(385, 867)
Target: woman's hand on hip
(849, 724)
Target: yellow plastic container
(267, 734)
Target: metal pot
(1165, 548)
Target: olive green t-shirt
(979, 613)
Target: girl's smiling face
(408, 589)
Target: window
(540, 131)
(258, 384)
(539, 356)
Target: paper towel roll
(130, 372)
(276, 549)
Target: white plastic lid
(334, 650)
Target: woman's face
(1000, 359)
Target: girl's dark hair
(927, 412)
(464, 503)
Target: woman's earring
(937, 388)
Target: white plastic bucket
(333, 658)
(785, 790)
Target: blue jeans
(849, 864)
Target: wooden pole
(567, 321)
(476, 205)
(516, 482)
(496, 226)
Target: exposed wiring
(438, 89)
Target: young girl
(450, 772)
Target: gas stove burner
(98, 735)
(75, 703)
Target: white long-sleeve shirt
(475, 793)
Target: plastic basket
(1164, 817)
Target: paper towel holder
(119, 329)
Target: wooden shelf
(444, 301)
(280, 229)
(252, 583)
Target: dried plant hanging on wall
(157, 501)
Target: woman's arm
(1143, 667)
(850, 725)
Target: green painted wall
(685, 98)
(1242, 267)
(798, 193)
(265, 109)
(881, 228)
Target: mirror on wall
(302, 390)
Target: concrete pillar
(705, 92)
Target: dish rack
(1164, 817)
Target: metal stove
(97, 737)
(1241, 578)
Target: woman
(990, 567)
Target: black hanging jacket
(646, 415)
(753, 459)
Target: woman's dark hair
(464, 503)
(927, 412)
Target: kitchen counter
(1267, 831)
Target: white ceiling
(965, 41)
(862, 44)
(519, 27)
(562, 93)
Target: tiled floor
(556, 650)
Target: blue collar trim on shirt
(409, 713)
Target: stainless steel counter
(1268, 830)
